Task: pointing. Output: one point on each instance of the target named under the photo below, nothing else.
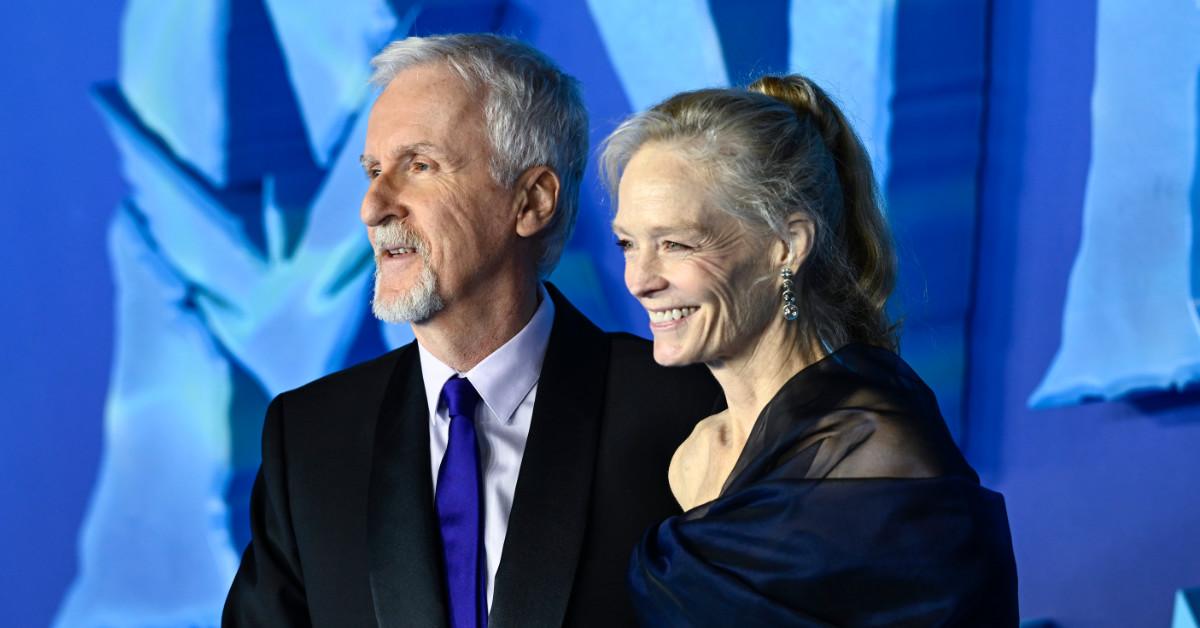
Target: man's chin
(414, 306)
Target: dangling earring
(790, 311)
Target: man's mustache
(395, 235)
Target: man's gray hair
(533, 112)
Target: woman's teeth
(662, 316)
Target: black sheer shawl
(850, 505)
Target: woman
(830, 491)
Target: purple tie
(460, 510)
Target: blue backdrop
(198, 163)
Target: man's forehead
(419, 104)
(435, 83)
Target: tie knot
(460, 397)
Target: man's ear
(801, 235)
(536, 201)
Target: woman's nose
(643, 275)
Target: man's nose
(382, 201)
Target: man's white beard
(417, 303)
(411, 306)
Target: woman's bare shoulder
(689, 465)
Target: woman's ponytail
(860, 231)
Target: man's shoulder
(331, 418)
(632, 367)
(629, 351)
(636, 352)
(650, 408)
(360, 382)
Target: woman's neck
(752, 378)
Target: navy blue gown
(799, 537)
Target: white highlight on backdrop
(847, 47)
(1130, 320)
(660, 48)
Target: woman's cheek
(719, 326)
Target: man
(499, 470)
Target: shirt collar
(505, 377)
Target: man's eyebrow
(400, 152)
(410, 149)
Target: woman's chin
(666, 355)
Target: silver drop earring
(790, 311)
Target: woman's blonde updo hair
(777, 147)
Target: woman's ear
(536, 200)
(801, 234)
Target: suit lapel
(402, 533)
(550, 505)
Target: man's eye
(373, 173)
(675, 246)
(420, 166)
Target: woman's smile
(669, 318)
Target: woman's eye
(623, 244)
(675, 246)
(420, 166)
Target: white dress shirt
(506, 382)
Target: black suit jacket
(343, 526)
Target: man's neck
(474, 326)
